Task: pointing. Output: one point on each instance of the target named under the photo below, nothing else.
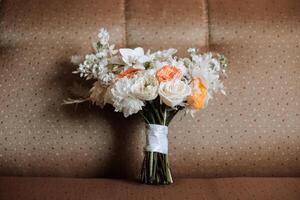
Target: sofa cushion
(39, 136)
(167, 24)
(253, 131)
(13, 188)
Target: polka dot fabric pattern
(253, 131)
(39, 136)
(159, 25)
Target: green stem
(156, 169)
(165, 116)
(152, 118)
(144, 117)
(151, 164)
(156, 112)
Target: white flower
(145, 86)
(98, 93)
(122, 98)
(95, 67)
(163, 55)
(105, 75)
(207, 69)
(173, 92)
(192, 51)
(101, 64)
(159, 64)
(112, 50)
(103, 36)
(134, 57)
(179, 64)
(146, 79)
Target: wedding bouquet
(155, 85)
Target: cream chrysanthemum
(123, 99)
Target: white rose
(173, 92)
(145, 87)
(122, 98)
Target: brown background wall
(253, 131)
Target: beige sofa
(247, 143)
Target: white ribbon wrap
(157, 138)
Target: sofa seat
(29, 188)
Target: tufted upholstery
(166, 24)
(257, 126)
(253, 131)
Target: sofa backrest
(253, 131)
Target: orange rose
(199, 92)
(128, 73)
(167, 73)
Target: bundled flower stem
(157, 85)
(156, 167)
